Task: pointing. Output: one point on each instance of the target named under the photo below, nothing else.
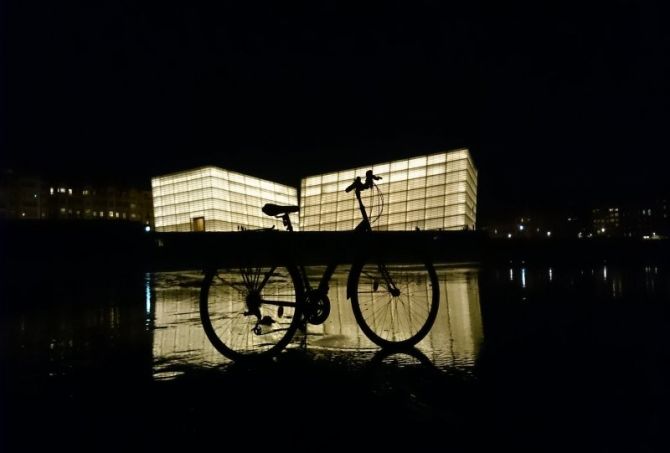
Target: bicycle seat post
(287, 222)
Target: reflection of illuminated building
(454, 339)
(178, 335)
(214, 199)
(459, 322)
(437, 191)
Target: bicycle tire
(234, 327)
(391, 321)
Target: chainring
(317, 308)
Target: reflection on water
(453, 341)
(67, 325)
(605, 280)
(551, 352)
(153, 321)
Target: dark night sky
(553, 98)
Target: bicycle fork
(388, 280)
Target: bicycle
(251, 312)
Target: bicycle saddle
(275, 209)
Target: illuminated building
(214, 199)
(432, 192)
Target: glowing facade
(433, 192)
(214, 199)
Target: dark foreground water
(520, 358)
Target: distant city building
(102, 203)
(607, 221)
(215, 199)
(646, 220)
(526, 227)
(430, 192)
(23, 197)
(637, 220)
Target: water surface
(528, 357)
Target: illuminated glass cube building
(432, 192)
(214, 199)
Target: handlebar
(358, 185)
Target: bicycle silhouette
(252, 312)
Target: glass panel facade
(218, 199)
(433, 192)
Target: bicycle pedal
(266, 321)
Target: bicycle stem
(361, 206)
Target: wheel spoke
(402, 319)
(239, 310)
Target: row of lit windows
(210, 188)
(215, 178)
(351, 206)
(434, 194)
(392, 217)
(87, 192)
(437, 163)
(60, 190)
(99, 214)
(459, 182)
(216, 214)
(192, 198)
(448, 223)
(214, 210)
(397, 181)
(418, 206)
(456, 181)
(327, 204)
(186, 208)
(191, 176)
(266, 222)
(218, 225)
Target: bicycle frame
(364, 226)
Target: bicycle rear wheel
(395, 305)
(251, 312)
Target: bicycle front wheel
(251, 312)
(395, 305)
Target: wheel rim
(396, 305)
(250, 312)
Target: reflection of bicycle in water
(255, 311)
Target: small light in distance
(147, 228)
